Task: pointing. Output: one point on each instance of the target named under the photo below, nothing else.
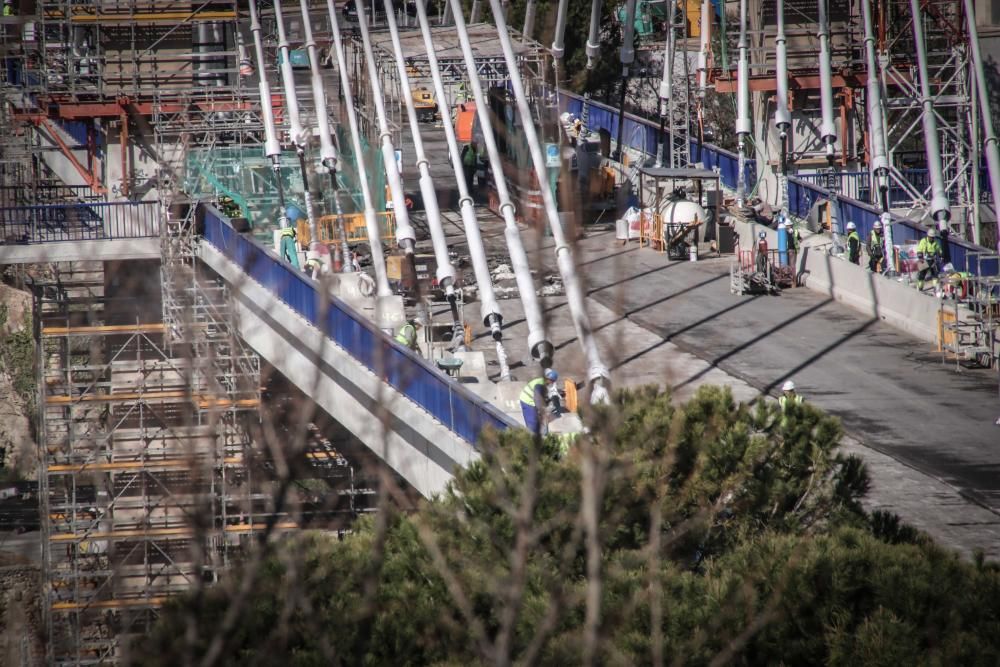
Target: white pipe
(989, 135)
(627, 55)
(940, 209)
(742, 105)
(782, 117)
(405, 235)
(667, 80)
(558, 39)
(371, 222)
(272, 147)
(593, 46)
(879, 159)
(445, 270)
(529, 19)
(327, 153)
(489, 309)
(879, 163)
(538, 343)
(298, 133)
(828, 128)
(704, 39)
(597, 372)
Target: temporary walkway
(413, 417)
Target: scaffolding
(949, 70)
(144, 486)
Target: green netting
(349, 171)
(246, 175)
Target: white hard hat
(851, 225)
(932, 232)
(788, 386)
(877, 225)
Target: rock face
(21, 631)
(20, 455)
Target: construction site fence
(79, 222)
(643, 135)
(355, 226)
(461, 411)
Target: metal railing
(79, 222)
(460, 410)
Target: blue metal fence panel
(644, 135)
(457, 408)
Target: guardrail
(79, 222)
(461, 411)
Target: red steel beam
(92, 181)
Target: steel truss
(949, 77)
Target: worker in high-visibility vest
(788, 396)
(929, 253)
(876, 248)
(8, 8)
(407, 335)
(534, 398)
(289, 249)
(314, 265)
(853, 244)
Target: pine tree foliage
(713, 532)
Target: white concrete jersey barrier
(884, 298)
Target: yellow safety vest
(288, 231)
(313, 263)
(929, 246)
(528, 393)
(407, 335)
(783, 401)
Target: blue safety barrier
(460, 410)
(643, 135)
(79, 222)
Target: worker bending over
(314, 266)
(407, 336)
(535, 397)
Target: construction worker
(762, 260)
(314, 265)
(876, 251)
(853, 244)
(407, 335)
(470, 160)
(534, 396)
(788, 396)
(8, 8)
(928, 255)
(289, 248)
